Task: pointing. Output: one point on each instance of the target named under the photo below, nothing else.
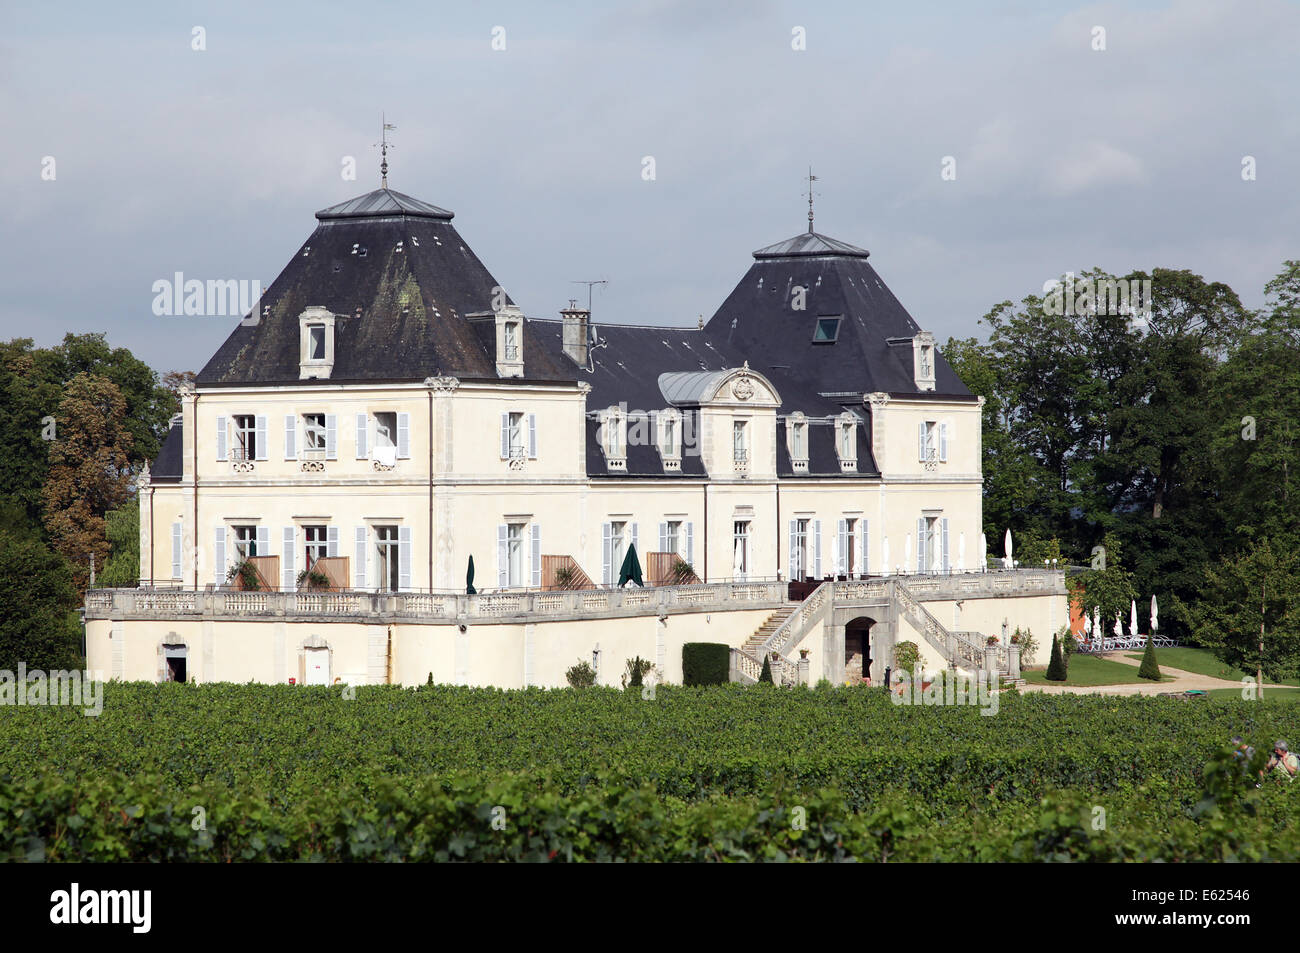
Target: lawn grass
(1202, 662)
(1280, 693)
(1087, 671)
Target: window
(933, 443)
(740, 444)
(827, 330)
(673, 536)
(177, 659)
(317, 544)
(387, 566)
(670, 437)
(799, 550)
(927, 361)
(846, 441)
(516, 435)
(245, 437)
(385, 429)
(615, 434)
(245, 542)
(511, 332)
(848, 547)
(617, 547)
(515, 554)
(316, 342)
(740, 549)
(799, 441)
(314, 428)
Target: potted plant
(803, 653)
(565, 577)
(313, 579)
(682, 572)
(243, 575)
(991, 641)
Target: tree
(122, 567)
(765, 677)
(1056, 671)
(1250, 613)
(1108, 588)
(89, 472)
(1149, 669)
(177, 381)
(38, 603)
(581, 675)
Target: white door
(318, 667)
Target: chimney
(576, 340)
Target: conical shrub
(766, 674)
(1149, 668)
(1056, 667)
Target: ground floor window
(514, 554)
(740, 548)
(387, 561)
(245, 542)
(317, 545)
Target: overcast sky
(212, 162)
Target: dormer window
(797, 433)
(740, 445)
(827, 330)
(846, 441)
(923, 360)
(670, 439)
(510, 337)
(316, 348)
(614, 438)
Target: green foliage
(765, 676)
(122, 570)
(246, 573)
(38, 602)
(907, 658)
(637, 669)
(721, 773)
(1149, 668)
(683, 572)
(1056, 671)
(1027, 643)
(1068, 645)
(565, 576)
(312, 579)
(706, 663)
(581, 675)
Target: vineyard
(250, 772)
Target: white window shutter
(331, 437)
(290, 580)
(403, 436)
(219, 556)
(943, 443)
(794, 552)
(607, 551)
(634, 541)
(945, 544)
(532, 436)
(920, 545)
(404, 558)
(359, 558)
(690, 543)
(221, 438)
(363, 432)
(505, 436)
(261, 438)
(536, 554)
(263, 541)
(332, 541)
(863, 548)
(817, 549)
(290, 437)
(176, 550)
(920, 454)
(663, 537)
(503, 556)
(842, 544)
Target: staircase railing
(809, 613)
(953, 646)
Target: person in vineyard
(1282, 762)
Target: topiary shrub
(907, 658)
(765, 676)
(581, 675)
(706, 663)
(637, 668)
(1056, 670)
(1149, 669)
(1068, 645)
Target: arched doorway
(857, 648)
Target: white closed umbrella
(1006, 545)
(984, 553)
(1119, 626)
(1155, 614)
(1133, 617)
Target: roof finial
(384, 146)
(811, 179)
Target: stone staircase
(754, 646)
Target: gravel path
(1182, 681)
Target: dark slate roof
(757, 320)
(412, 302)
(383, 202)
(811, 243)
(168, 468)
(823, 461)
(642, 460)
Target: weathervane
(811, 179)
(384, 146)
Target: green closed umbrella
(469, 579)
(631, 568)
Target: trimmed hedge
(706, 663)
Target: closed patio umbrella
(1133, 617)
(469, 579)
(984, 553)
(1006, 543)
(1155, 614)
(631, 569)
